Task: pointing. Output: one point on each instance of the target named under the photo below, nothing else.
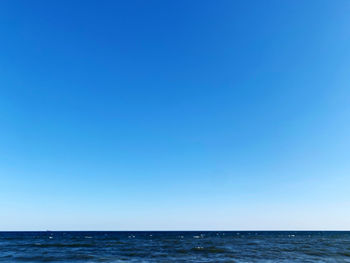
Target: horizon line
(266, 230)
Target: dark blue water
(175, 246)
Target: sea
(175, 246)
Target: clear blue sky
(129, 115)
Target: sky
(175, 115)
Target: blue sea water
(244, 246)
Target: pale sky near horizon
(174, 115)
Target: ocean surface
(269, 246)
